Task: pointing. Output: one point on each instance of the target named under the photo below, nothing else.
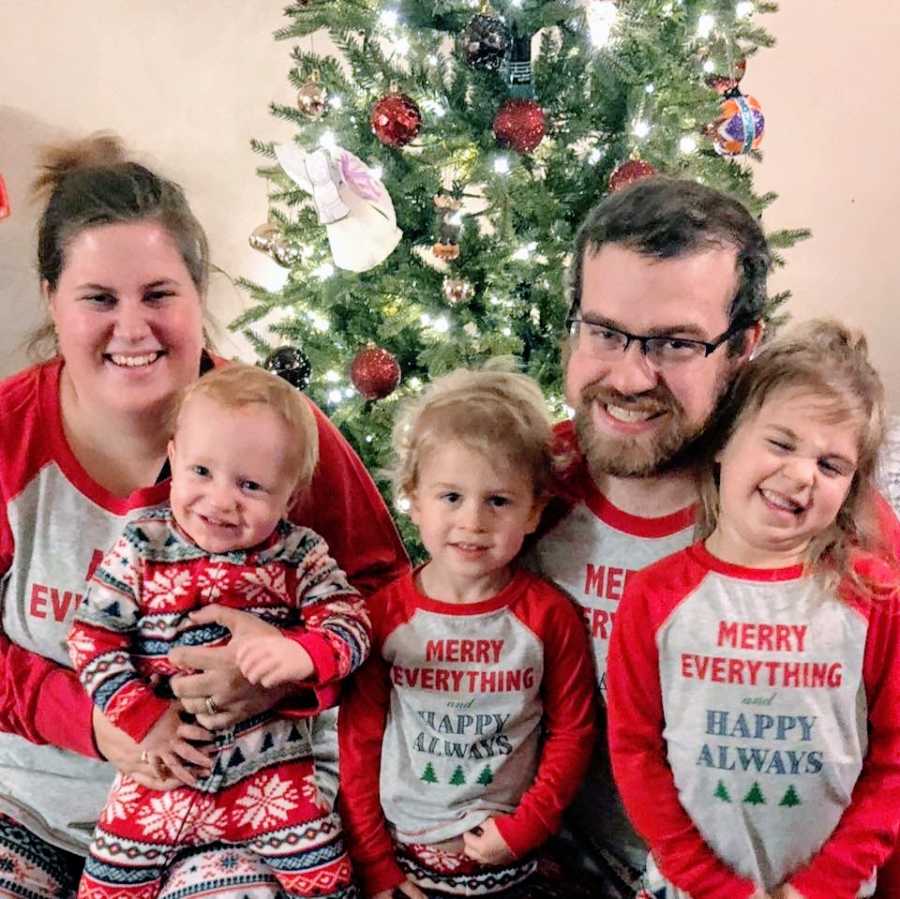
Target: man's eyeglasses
(608, 344)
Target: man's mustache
(659, 399)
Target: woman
(123, 266)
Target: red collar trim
(637, 525)
(498, 601)
(51, 412)
(702, 555)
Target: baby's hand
(407, 888)
(272, 660)
(485, 845)
(166, 752)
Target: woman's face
(128, 317)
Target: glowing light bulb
(332, 376)
(601, 19)
(389, 18)
(687, 144)
(501, 165)
(744, 9)
(335, 396)
(327, 140)
(641, 128)
(705, 25)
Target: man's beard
(673, 447)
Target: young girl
(245, 445)
(754, 678)
(467, 734)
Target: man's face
(632, 415)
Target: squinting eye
(251, 486)
(158, 295)
(200, 470)
(101, 299)
(784, 447)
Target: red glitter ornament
(520, 124)
(628, 172)
(375, 373)
(396, 120)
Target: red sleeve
(344, 506)
(40, 700)
(100, 643)
(867, 831)
(569, 720)
(363, 716)
(638, 751)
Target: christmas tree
(486, 776)
(790, 798)
(755, 796)
(722, 792)
(426, 206)
(458, 778)
(428, 774)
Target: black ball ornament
(290, 363)
(485, 41)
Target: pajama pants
(33, 869)
(261, 796)
(439, 872)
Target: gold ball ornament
(263, 236)
(457, 290)
(446, 251)
(312, 99)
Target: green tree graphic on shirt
(428, 774)
(722, 793)
(790, 798)
(486, 776)
(458, 778)
(755, 796)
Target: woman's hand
(485, 845)
(219, 696)
(170, 754)
(128, 757)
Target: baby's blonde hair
(499, 414)
(237, 386)
(829, 361)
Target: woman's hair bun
(58, 160)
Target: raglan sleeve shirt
(638, 751)
(39, 699)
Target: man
(668, 301)
(668, 296)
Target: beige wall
(188, 82)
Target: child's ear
(537, 509)
(413, 507)
(170, 452)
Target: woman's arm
(344, 506)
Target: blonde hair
(237, 386)
(89, 182)
(492, 412)
(827, 359)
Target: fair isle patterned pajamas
(261, 794)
